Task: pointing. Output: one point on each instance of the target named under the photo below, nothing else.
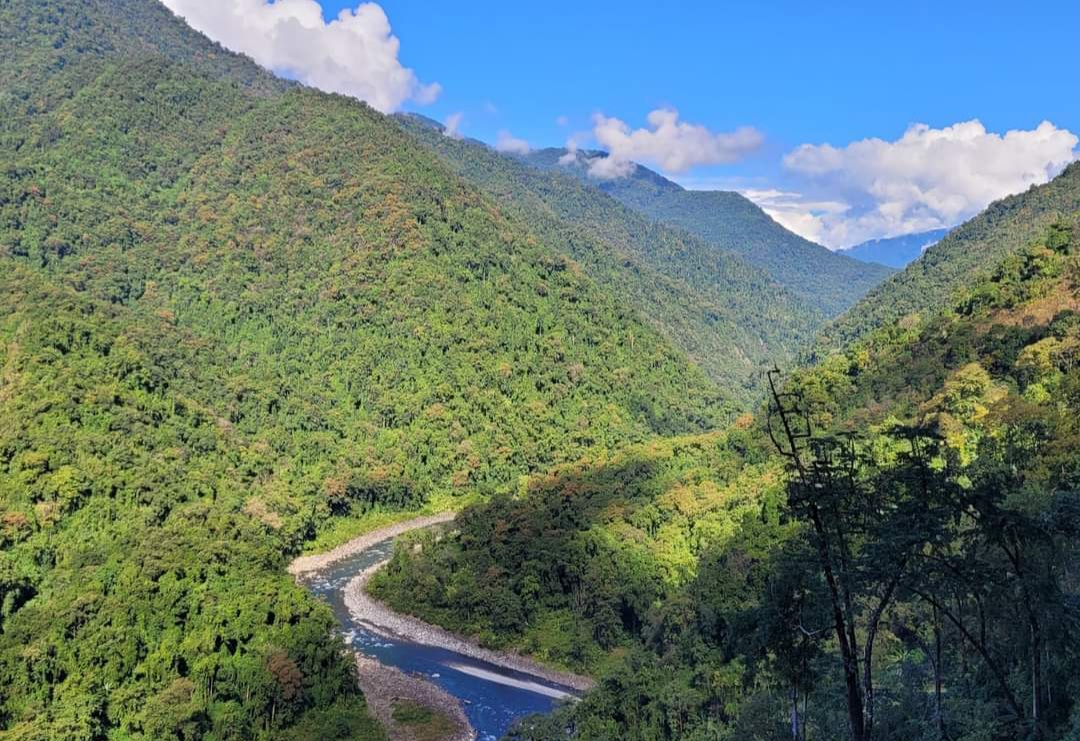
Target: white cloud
(452, 127)
(927, 179)
(573, 145)
(562, 120)
(508, 143)
(797, 213)
(673, 145)
(355, 54)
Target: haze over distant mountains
(731, 221)
(895, 252)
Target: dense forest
(889, 550)
(241, 319)
(826, 281)
(237, 315)
(727, 315)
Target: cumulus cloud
(452, 126)
(562, 120)
(355, 54)
(801, 215)
(511, 144)
(927, 179)
(673, 145)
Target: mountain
(238, 315)
(730, 221)
(968, 252)
(931, 524)
(896, 252)
(729, 316)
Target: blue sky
(801, 72)
(798, 73)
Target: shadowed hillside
(930, 521)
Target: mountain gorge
(937, 487)
(242, 320)
(827, 281)
(238, 313)
(730, 317)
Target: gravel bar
(383, 686)
(381, 619)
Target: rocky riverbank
(385, 687)
(381, 619)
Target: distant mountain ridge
(730, 316)
(821, 277)
(896, 252)
(967, 252)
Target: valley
(320, 419)
(486, 690)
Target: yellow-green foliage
(594, 548)
(238, 316)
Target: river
(492, 697)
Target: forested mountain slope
(729, 316)
(233, 314)
(821, 278)
(931, 521)
(970, 250)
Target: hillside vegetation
(730, 317)
(729, 221)
(968, 252)
(237, 315)
(930, 519)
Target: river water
(493, 697)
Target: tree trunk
(939, 714)
(847, 651)
(794, 713)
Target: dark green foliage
(235, 313)
(728, 316)
(728, 221)
(142, 588)
(935, 499)
(576, 565)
